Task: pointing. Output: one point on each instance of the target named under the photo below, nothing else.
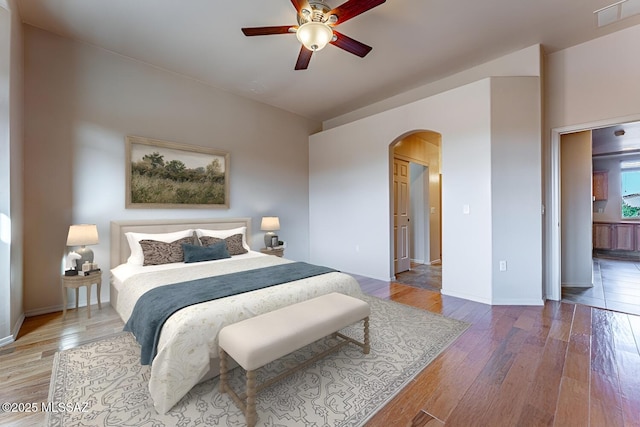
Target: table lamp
(83, 235)
(270, 224)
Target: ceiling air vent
(617, 11)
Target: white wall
(588, 85)
(576, 219)
(516, 189)
(11, 241)
(350, 192)
(524, 62)
(82, 101)
(594, 81)
(5, 175)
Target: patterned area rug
(103, 383)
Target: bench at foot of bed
(254, 342)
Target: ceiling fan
(315, 27)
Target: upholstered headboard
(120, 247)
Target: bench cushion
(262, 339)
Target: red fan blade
(267, 31)
(303, 58)
(299, 4)
(351, 45)
(352, 8)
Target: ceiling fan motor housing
(317, 12)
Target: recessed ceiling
(415, 42)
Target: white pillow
(223, 234)
(137, 257)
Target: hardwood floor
(561, 364)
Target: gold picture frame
(163, 174)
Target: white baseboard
(16, 328)
(14, 332)
(6, 340)
(517, 301)
(55, 308)
(506, 301)
(466, 296)
(417, 261)
(577, 285)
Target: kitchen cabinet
(602, 236)
(600, 185)
(624, 237)
(616, 236)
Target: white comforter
(189, 338)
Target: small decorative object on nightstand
(270, 224)
(278, 251)
(75, 282)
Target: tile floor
(423, 276)
(616, 286)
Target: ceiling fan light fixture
(314, 35)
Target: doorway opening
(416, 203)
(597, 262)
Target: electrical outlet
(503, 265)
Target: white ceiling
(414, 42)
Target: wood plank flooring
(561, 364)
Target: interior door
(401, 209)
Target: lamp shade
(82, 234)
(270, 223)
(314, 35)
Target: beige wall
(82, 101)
(575, 178)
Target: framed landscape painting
(161, 174)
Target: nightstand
(269, 251)
(75, 282)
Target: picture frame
(165, 175)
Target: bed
(187, 351)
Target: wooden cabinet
(616, 236)
(600, 185)
(602, 236)
(624, 237)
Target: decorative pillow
(223, 234)
(195, 253)
(156, 252)
(234, 243)
(137, 257)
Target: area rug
(103, 384)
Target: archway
(416, 181)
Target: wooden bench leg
(250, 414)
(367, 346)
(223, 371)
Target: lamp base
(86, 254)
(267, 239)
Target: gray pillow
(234, 243)
(156, 252)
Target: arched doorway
(416, 182)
